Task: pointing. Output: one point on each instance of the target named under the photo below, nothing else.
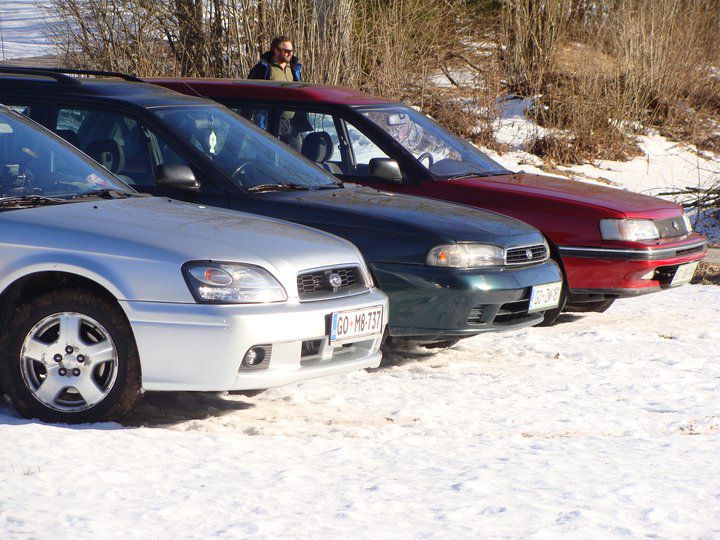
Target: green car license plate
(545, 296)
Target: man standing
(279, 64)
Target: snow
(605, 425)
(22, 28)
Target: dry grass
(343, 42)
(468, 105)
(707, 274)
(604, 74)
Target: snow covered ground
(607, 425)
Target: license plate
(545, 296)
(684, 274)
(355, 323)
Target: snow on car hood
(128, 235)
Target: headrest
(317, 146)
(107, 153)
(70, 136)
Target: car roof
(31, 82)
(272, 90)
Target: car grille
(526, 254)
(330, 283)
(671, 227)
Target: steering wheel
(429, 157)
(240, 170)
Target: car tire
(70, 356)
(246, 393)
(406, 346)
(592, 307)
(440, 345)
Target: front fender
(126, 278)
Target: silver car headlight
(628, 229)
(231, 283)
(465, 255)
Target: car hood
(572, 191)
(150, 230)
(392, 213)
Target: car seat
(107, 153)
(317, 146)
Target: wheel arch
(40, 282)
(555, 256)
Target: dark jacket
(261, 70)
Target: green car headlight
(465, 255)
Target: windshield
(36, 163)
(248, 155)
(443, 154)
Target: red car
(610, 243)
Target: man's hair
(277, 40)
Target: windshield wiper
(471, 174)
(334, 185)
(103, 194)
(29, 200)
(279, 186)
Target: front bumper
(595, 273)
(200, 347)
(430, 304)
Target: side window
(363, 149)
(33, 111)
(258, 116)
(118, 142)
(315, 136)
(22, 109)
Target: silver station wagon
(105, 292)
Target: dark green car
(451, 271)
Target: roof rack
(61, 74)
(21, 70)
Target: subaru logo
(528, 253)
(675, 225)
(335, 280)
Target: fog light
(649, 275)
(254, 356)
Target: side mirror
(385, 169)
(176, 176)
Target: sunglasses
(287, 51)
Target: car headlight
(230, 283)
(465, 255)
(628, 229)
